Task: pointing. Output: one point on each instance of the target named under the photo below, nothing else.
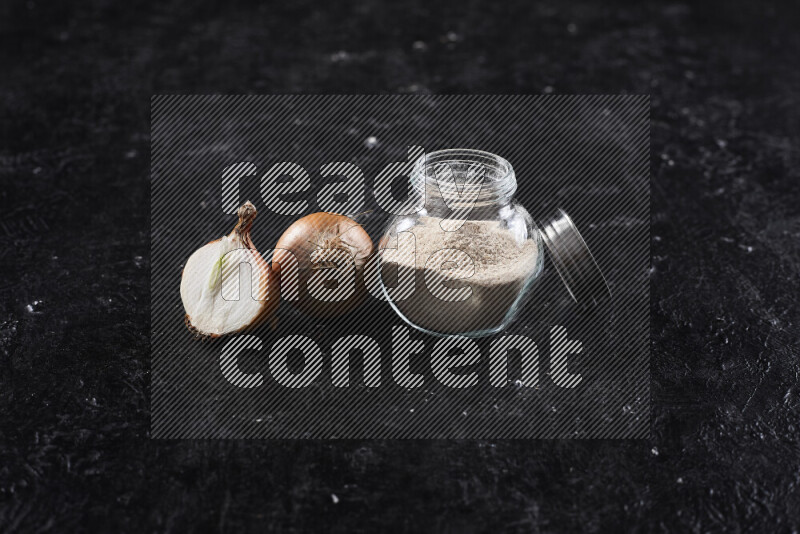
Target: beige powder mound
(500, 267)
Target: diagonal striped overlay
(586, 154)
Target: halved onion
(218, 295)
(324, 253)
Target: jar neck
(463, 183)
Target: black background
(74, 350)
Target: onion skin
(247, 213)
(320, 231)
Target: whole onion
(324, 254)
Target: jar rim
(497, 171)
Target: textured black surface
(74, 447)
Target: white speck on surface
(419, 46)
(339, 56)
(130, 154)
(722, 143)
(451, 37)
(371, 141)
(334, 498)
(547, 89)
(37, 170)
(29, 308)
(654, 451)
(680, 480)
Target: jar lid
(573, 260)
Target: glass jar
(466, 259)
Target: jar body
(470, 269)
